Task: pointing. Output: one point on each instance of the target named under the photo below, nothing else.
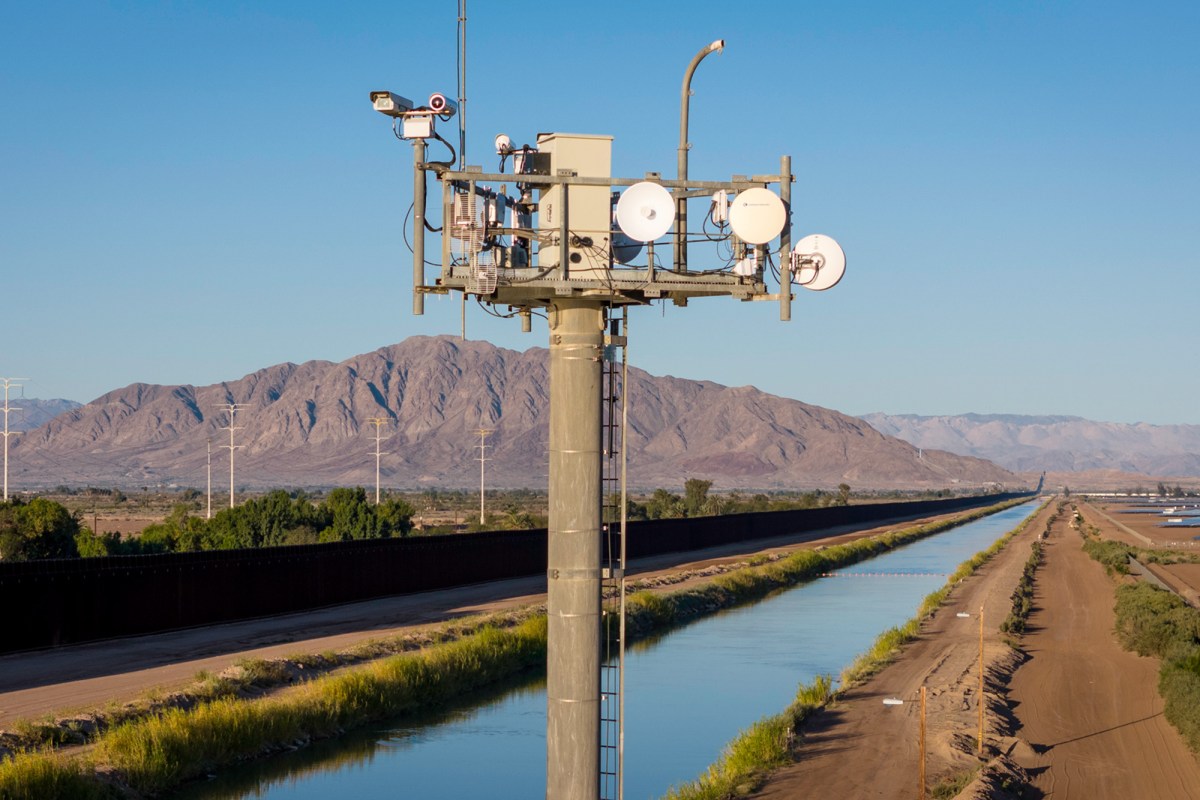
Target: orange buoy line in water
(884, 574)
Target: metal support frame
(536, 286)
(418, 227)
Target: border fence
(65, 601)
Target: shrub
(1179, 684)
(42, 775)
(1150, 620)
(1113, 555)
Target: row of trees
(40, 528)
(43, 528)
(697, 502)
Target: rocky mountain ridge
(308, 425)
(34, 413)
(1053, 443)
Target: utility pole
(921, 787)
(378, 422)
(9, 383)
(209, 514)
(981, 680)
(482, 447)
(232, 408)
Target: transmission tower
(483, 459)
(378, 422)
(232, 408)
(9, 383)
(209, 514)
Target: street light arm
(684, 96)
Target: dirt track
(1086, 719)
(861, 748)
(1090, 709)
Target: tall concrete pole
(573, 579)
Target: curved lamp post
(681, 203)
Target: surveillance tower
(560, 237)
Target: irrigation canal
(687, 693)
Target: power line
(378, 422)
(232, 408)
(8, 383)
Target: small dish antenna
(818, 262)
(757, 216)
(645, 211)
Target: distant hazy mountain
(1053, 444)
(35, 413)
(307, 425)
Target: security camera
(503, 145)
(441, 105)
(391, 104)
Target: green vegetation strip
(1022, 596)
(1155, 622)
(766, 745)
(154, 753)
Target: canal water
(687, 694)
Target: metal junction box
(589, 208)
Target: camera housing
(391, 104)
(441, 105)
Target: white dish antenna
(624, 249)
(645, 211)
(757, 216)
(818, 262)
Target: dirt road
(861, 748)
(1090, 709)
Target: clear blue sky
(192, 191)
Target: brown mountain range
(308, 425)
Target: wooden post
(979, 700)
(921, 791)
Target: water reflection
(687, 694)
(323, 769)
